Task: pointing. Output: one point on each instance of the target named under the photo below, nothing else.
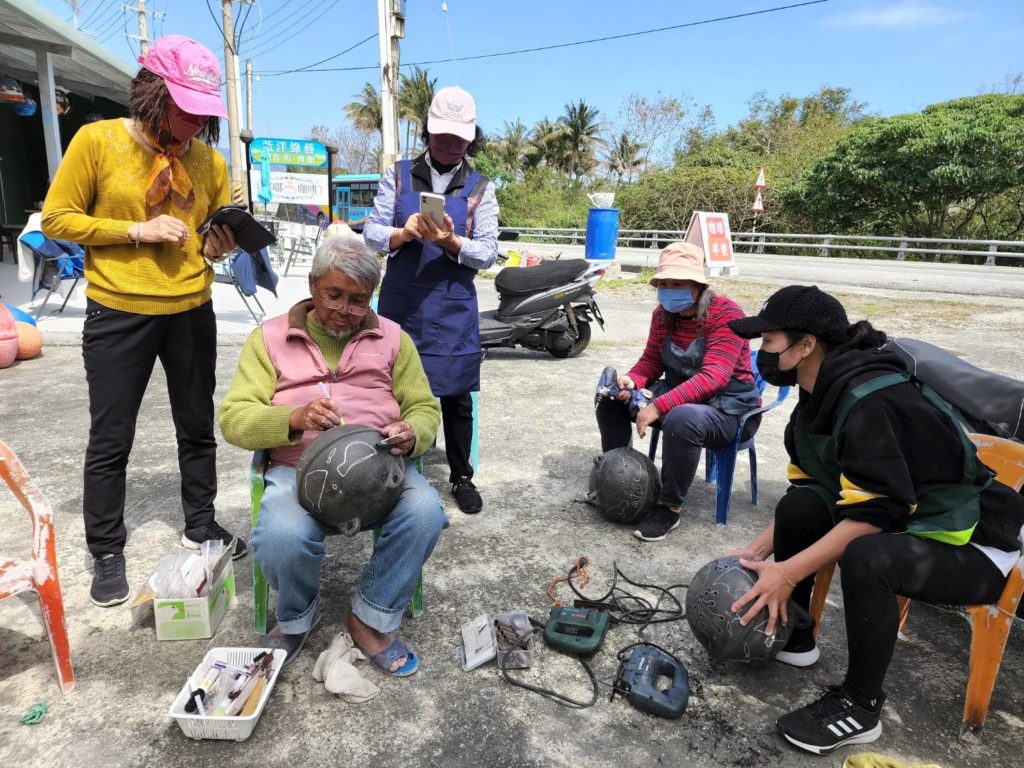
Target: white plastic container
(208, 727)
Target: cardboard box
(194, 618)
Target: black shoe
(467, 496)
(290, 644)
(657, 524)
(801, 650)
(195, 538)
(109, 584)
(830, 722)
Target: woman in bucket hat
(133, 191)
(428, 286)
(707, 384)
(874, 456)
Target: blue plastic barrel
(602, 232)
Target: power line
(99, 7)
(109, 30)
(264, 19)
(301, 69)
(271, 44)
(103, 22)
(584, 42)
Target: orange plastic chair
(38, 573)
(990, 624)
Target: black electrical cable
(555, 696)
(300, 69)
(583, 42)
(644, 615)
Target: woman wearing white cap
(428, 286)
(707, 386)
(133, 192)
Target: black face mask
(768, 368)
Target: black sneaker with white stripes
(831, 722)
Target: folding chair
(720, 463)
(260, 588)
(56, 261)
(990, 624)
(304, 245)
(37, 573)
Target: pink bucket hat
(681, 261)
(191, 73)
(453, 111)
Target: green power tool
(579, 631)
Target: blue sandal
(386, 659)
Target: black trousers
(686, 431)
(120, 349)
(875, 569)
(457, 420)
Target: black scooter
(548, 307)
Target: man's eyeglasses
(342, 305)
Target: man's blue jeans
(289, 546)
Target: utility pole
(142, 37)
(391, 29)
(231, 74)
(248, 94)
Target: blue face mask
(675, 299)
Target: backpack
(985, 402)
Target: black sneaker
(195, 538)
(801, 650)
(290, 644)
(467, 496)
(109, 584)
(831, 722)
(657, 524)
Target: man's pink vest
(361, 387)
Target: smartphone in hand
(432, 205)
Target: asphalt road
(886, 277)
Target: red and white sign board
(710, 232)
(759, 184)
(758, 206)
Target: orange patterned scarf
(168, 179)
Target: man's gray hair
(348, 255)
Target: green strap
(855, 394)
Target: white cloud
(908, 14)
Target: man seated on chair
(305, 372)
(707, 386)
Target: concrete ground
(537, 440)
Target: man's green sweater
(249, 421)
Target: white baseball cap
(453, 111)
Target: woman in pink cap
(428, 286)
(133, 191)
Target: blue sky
(896, 55)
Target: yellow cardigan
(99, 193)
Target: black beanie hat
(800, 308)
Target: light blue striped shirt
(479, 251)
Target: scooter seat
(522, 281)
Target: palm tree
(512, 146)
(582, 128)
(415, 93)
(365, 110)
(547, 146)
(624, 157)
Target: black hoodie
(893, 442)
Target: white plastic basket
(209, 727)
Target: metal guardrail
(824, 245)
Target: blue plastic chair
(56, 261)
(720, 463)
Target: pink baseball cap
(191, 73)
(453, 111)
